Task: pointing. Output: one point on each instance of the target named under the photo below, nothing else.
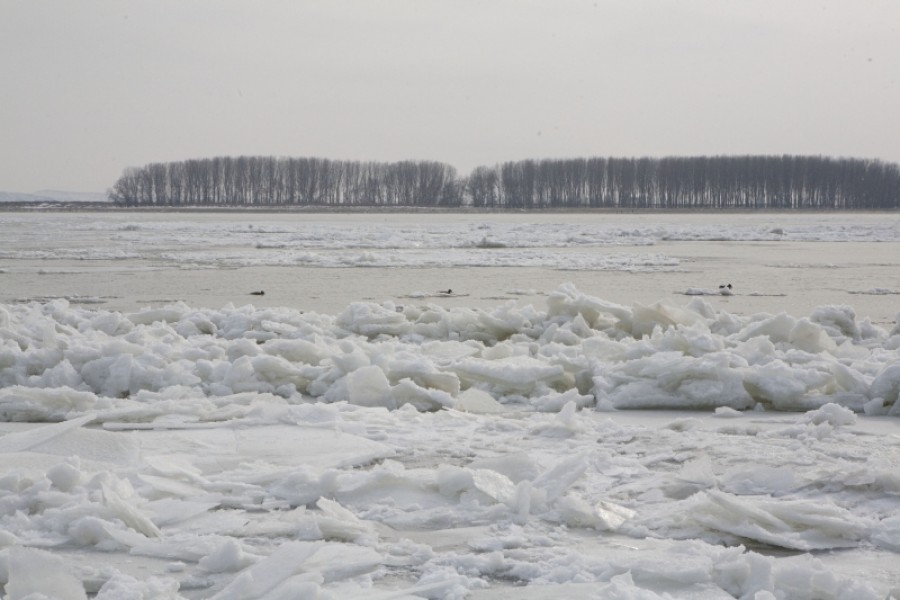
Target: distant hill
(54, 196)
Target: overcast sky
(89, 88)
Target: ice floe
(421, 451)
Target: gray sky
(89, 88)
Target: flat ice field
(454, 406)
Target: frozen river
(321, 262)
(449, 406)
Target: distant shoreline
(109, 207)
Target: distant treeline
(744, 182)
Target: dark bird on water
(259, 293)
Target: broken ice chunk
(38, 574)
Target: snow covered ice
(419, 451)
(585, 415)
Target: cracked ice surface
(430, 452)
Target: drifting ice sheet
(408, 451)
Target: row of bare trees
(272, 181)
(746, 182)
